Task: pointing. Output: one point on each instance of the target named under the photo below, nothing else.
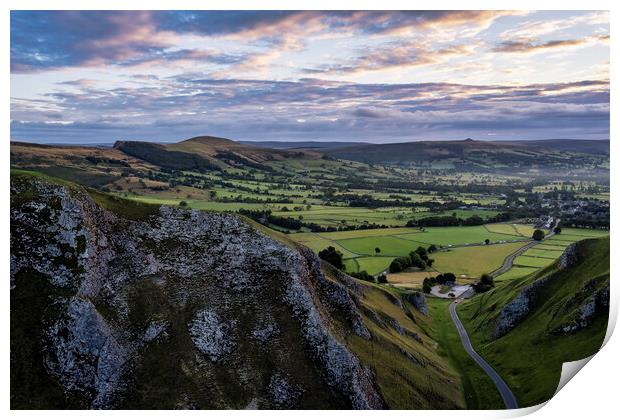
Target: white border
(591, 395)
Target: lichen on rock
(211, 336)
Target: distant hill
(303, 144)
(582, 146)
(478, 155)
(208, 152)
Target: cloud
(49, 40)
(538, 28)
(177, 107)
(529, 46)
(42, 40)
(400, 55)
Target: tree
(449, 278)
(421, 251)
(332, 256)
(183, 204)
(557, 230)
(487, 279)
(399, 264)
(428, 283)
(431, 249)
(487, 241)
(377, 250)
(485, 283)
(538, 235)
(382, 278)
(363, 275)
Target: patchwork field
(335, 216)
(461, 235)
(547, 252)
(468, 262)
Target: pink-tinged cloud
(396, 56)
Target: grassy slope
(534, 379)
(405, 384)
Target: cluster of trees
(240, 199)
(445, 278)
(485, 284)
(334, 257)
(265, 217)
(417, 258)
(363, 275)
(453, 220)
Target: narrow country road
(509, 261)
(510, 400)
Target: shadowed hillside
(168, 308)
(481, 155)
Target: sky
(373, 76)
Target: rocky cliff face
(515, 311)
(174, 309)
(575, 312)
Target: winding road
(510, 401)
(509, 261)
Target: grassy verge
(479, 391)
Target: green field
(461, 235)
(358, 247)
(524, 261)
(389, 245)
(588, 233)
(350, 234)
(516, 273)
(542, 253)
(373, 265)
(549, 247)
(318, 243)
(472, 262)
(511, 229)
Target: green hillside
(565, 320)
